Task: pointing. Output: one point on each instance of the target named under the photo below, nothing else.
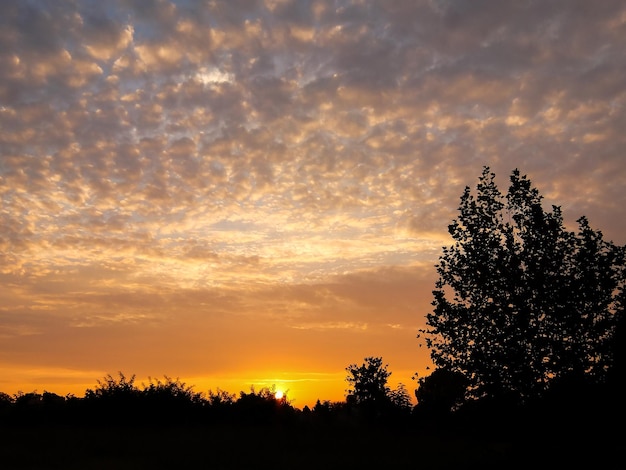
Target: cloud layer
(175, 172)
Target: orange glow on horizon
(300, 389)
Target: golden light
(279, 394)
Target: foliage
(171, 391)
(400, 398)
(440, 393)
(219, 404)
(221, 398)
(169, 401)
(368, 382)
(5, 399)
(115, 400)
(370, 393)
(118, 400)
(111, 389)
(520, 302)
(263, 396)
(262, 406)
(618, 367)
(326, 407)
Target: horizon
(297, 392)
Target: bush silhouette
(262, 407)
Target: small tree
(520, 302)
(6, 405)
(170, 400)
(400, 398)
(111, 389)
(114, 399)
(370, 393)
(221, 398)
(368, 382)
(262, 406)
(171, 392)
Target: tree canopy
(370, 391)
(521, 303)
(368, 382)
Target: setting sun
(279, 394)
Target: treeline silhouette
(570, 426)
(121, 401)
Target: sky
(253, 193)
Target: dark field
(302, 447)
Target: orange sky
(256, 193)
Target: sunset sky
(253, 193)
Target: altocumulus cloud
(187, 161)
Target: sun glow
(279, 394)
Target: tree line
(120, 400)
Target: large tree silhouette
(521, 303)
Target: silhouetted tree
(368, 383)
(5, 401)
(114, 399)
(400, 398)
(33, 407)
(110, 388)
(262, 407)
(440, 392)
(6, 406)
(170, 401)
(28, 407)
(520, 302)
(220, 404)
(221, 398)
(36, 407)
(322, 407)
(170, 391)
(617, 372)
(327, 411)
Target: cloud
(284, 159)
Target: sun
(279, 394)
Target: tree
(6, 404)
(170, 401)
(370, 393)
(170, 392)
(368, 382)
(521, 303)
(221, 398)
(400, 398)
(111, 389)
(440, 392)
(262, 406)
(115, 399)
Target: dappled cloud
(175, 169)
